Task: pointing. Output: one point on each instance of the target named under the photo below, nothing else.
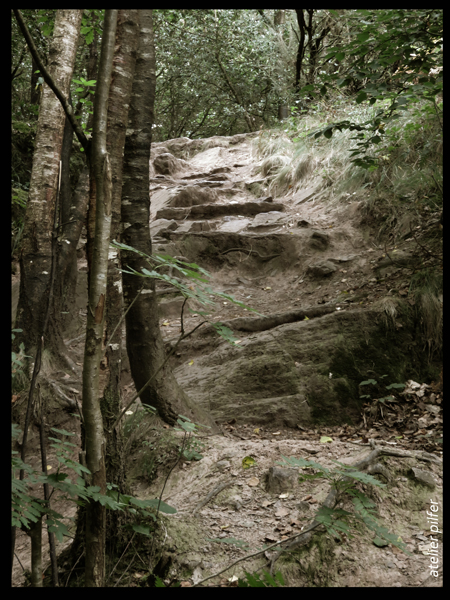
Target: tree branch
(50, 81)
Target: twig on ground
(211, 494)
(250, 252)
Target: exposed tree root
(253, 324)
(246, 250)
(271, 321)
(69, 402)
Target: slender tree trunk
(301, 48)
(315, 48)
(35, 534)
(101, 187)
(144, 341)
(119, 102)
(36, 255)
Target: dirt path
(312, 272)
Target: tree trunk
(301, 48)
(101, 188)
(119, 102)
(145, 346)
(72, 213)
(36, 255)
(283, 111)
(35, 534)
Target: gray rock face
(234, 225)
(212, 211)
(280, 480)
(270, 219)
(167, 164)
(161, 225)
(281, 376)
(180, 197)
(424, 477)
(324, 268)
(319, 241)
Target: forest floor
(298, 260)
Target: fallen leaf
(324, 439)
(248, 462)
(166, 323)
(276, 433)
(191, 363)
(283, 496)
(254, 481)
(266, 503)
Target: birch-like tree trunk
(36, 255)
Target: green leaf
(362, 37)
(61, 431)
(379, 542)
(58, 528)
(142, 529)
(153, 503)
(368, 382)
(361, 97)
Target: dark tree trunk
(145, 346)
(301, 48)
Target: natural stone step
(212, 211)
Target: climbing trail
(325, 296)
